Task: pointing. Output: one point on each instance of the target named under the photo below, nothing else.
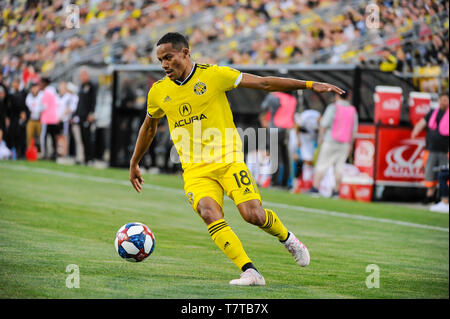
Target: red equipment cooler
(388, 104)
(358, 188)
(419, 105)
(364, 153)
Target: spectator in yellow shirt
(389, 63)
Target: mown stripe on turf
(181, 192)
(359, 217)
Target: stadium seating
(236, 32)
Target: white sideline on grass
(181, 192)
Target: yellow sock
(274, 226)
(228, 242)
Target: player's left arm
(279, 84)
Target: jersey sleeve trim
(154, 116)
(238, 80)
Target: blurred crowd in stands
(287, 31)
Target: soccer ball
(134, 242)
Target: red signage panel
(399, 159)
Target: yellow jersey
(199, 115)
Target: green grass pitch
(52, 216)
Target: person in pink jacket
(338, 127)
(435, 157)
(49, 117)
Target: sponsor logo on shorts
(190, 198)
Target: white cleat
(250, 277)
(298, 250)
(440, 207)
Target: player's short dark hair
(177, 40)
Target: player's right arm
(146, 134)
(145, 137)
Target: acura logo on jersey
(185, 109)
(188, 121)
(200, 88)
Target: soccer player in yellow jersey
(192, 97)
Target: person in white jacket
(67, 104)
(33, 104)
